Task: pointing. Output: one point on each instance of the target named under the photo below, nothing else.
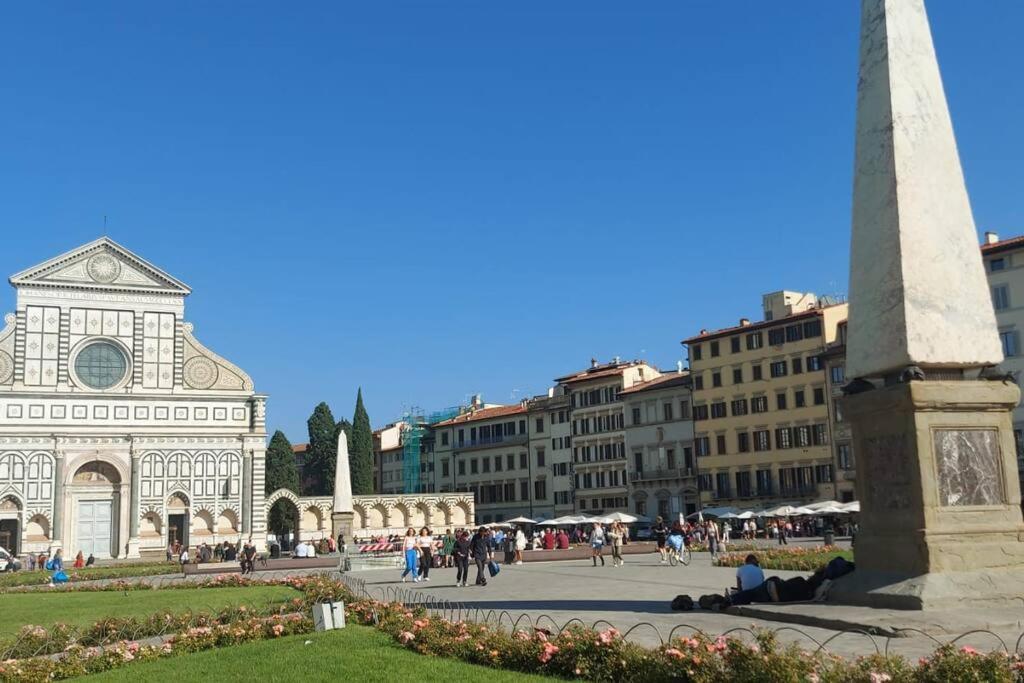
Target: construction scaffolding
(413, 474)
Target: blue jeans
(410, 562)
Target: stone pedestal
(342, 523)
(937, 480)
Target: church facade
(119, 431)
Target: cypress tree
(281, 473)
(323, 448)
(361, 451)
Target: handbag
(493, 568)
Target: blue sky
(434, 199)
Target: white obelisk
(342, 514)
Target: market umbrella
(852, 507)
(521, 520)
(626, 518)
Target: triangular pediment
(102, 264)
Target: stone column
(133, 508)
(246, 521)
(940, 522)
(57, 530)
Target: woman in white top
(426, 545)
(597, 543)
(520, 545)
(410, 546)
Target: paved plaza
(641, 592)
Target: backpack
(49, 565)
(682, 603)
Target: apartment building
(659, 446)
(600, 477)
(550, 445)
(1004, 265)
(388, 462)
(761, 404)
(834, 359)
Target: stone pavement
(640, 592)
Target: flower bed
(124, 585)
(575, 652)
(39, 578)
(806, 559)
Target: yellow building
(761, 405)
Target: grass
(785, 558)
(84, 609)
(121, 571)
(355, 653)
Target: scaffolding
(416, 426)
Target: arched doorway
(96, 492)
(283, 522)
(177, 520)
(10, 525)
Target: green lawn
(356, 653)
(118, 571)
(45, 609)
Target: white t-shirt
(425, 541)
(300, 550)
(750, 576)
(310, 550)
(409, 543)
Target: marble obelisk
(933, 441)
(342, 514)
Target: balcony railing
(652, 475)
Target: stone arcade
(120, 432)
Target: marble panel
(969, 467)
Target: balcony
(585, 463)
(654, 475)
(491, 442)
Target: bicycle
(682, 555)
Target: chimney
(593, 362)
(744, 322)
(477, 401)
(616, 360)
(991, 237)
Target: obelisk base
(938, 485)
(342, 523)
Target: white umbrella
(746, 515)
(549, 522)
(713, 512)
(498, 525)
(783, 511)
(831, 510)
(852, 507)
(626, 518)
(823, 504)
(521, 520)
(728, 515)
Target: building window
(739, 407)
(714, 349)
(523, 461)
(668, 411)
(838, 373)
(737, 375)
(780, 401)
(1011, 343)
(798, 366)
(540, 490)
(798, 398)
(776, 336)
(735, 344)
(812, 329)
(784, 437)
(762, 440)
(684, 410)
(813, 363)
(764, 482)
(462, 468)
(510, 460)
(473, 466)
(696, 351)
(759, 404)
(720, 444)
(444, 438)
(819, 396)
(722, 485)
(636, 416)
(540, 457)
(704, 482)
(820, 435)
(702, 446)
(743, 442)
(698, 382)
(540, 425)
(845, 456)
(716, 379)
(794, 333)
(444, 468)
(754, 341)
(756, 369)
(997, 264)
(497, 463)
(718, 410)
(486, 463)
(823, 474)
(700, 413)
(778, 368)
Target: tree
(281, 474)
(361, 451)
(323, 448)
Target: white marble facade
(121, 432)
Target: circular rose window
(101, 365)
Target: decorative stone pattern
(969, 465)
(103, 268)
(200, 373)
(887, 458)
(6, 368)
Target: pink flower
(606, 637)
(278, 629)
(673, 652)
(968, 650)
(876, 677)
(406, 637)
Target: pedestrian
(183, 557)
(170, 552)
(712, 534)
(91, 561)
(597, 543)
(426, 543)
(520, 545)
(726, 535)
(447, 548)
(412, 552)
(56, 565)
(460, 552)
(31, 562)
(509, 547)
(617, 535)
(479, 548)
(660, 531)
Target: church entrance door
(94, 528)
